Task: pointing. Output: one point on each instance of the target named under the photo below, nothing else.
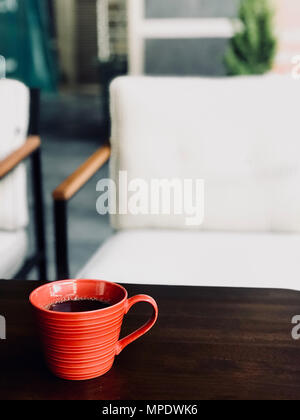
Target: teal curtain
(26, 43)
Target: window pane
(185, 56)
(190, 8)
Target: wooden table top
(208, 343)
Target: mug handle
(121, 344)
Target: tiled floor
(71, 132)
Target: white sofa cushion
(241, 135)
(14, 117)
(13, 248)
(259, 260)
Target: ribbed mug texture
(83, 345)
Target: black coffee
(78, 305)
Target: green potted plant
(252, 49)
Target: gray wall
(190, 8)
(187, 56)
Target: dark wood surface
(208, 343)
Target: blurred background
(72, 49)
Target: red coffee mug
(83, 345)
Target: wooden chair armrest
(16, 157)
(70, 186)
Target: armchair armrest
(68, 188)
(31, 148)
(16, 157)
(61, 196)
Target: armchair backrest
(240, 135)
(14, 119)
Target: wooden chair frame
(31, 149)
(62, 195)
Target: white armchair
(15, 147)
(241, 136)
